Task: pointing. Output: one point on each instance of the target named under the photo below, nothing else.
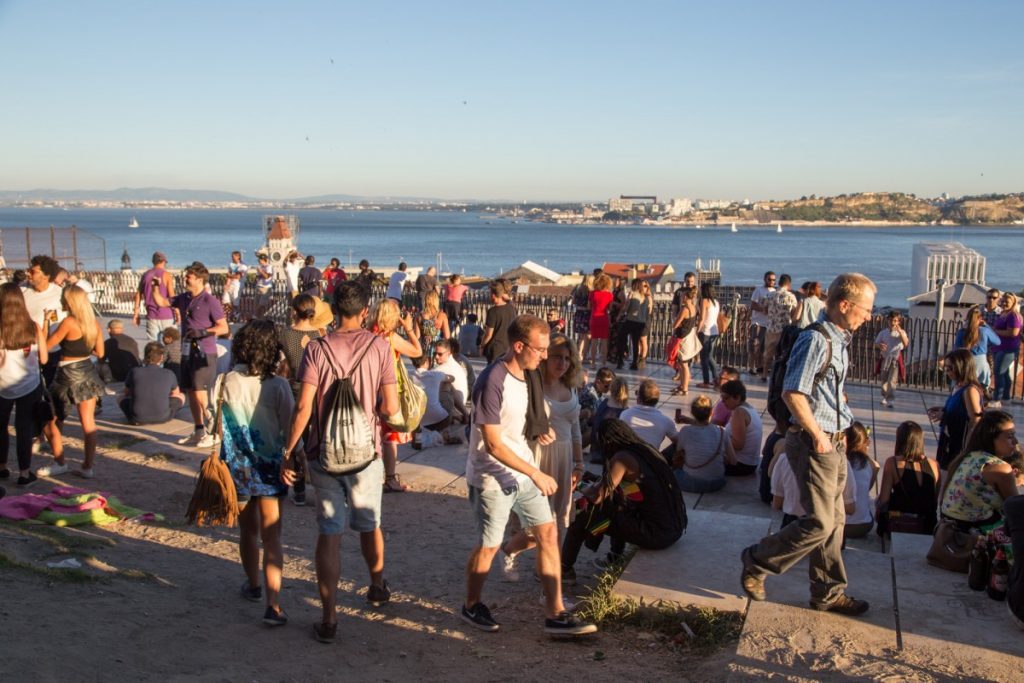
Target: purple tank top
(153, 279)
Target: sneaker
(192, 439)
(884, 403)
(751, 579)
(324, 633)
(844, 604)
(52, 470)
(892, 405)
(208, 441)
(567, 605)
(251, 593)
(565, 624)
(509, 573)
(85, 473)
(378, 596)
(274, 617)
(25, 482)
(609, 561)
(299, 498)
(995, 405)
(568, 576)
(479, 616)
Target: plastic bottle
(998, 577)
(978, 569)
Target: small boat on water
(133, 223)
(778, 228)
(733, 228)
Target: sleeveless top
(954, 424)
(75, 348)
(969, 498)
(154, 279)
(637, 310)
(750, 454)
(910, 495)
(292, 344)
(709, 328)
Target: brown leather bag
(951, 548)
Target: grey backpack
(346, 435)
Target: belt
(831, 435)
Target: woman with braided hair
(636, 501)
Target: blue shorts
(352, 497)
(493, 507)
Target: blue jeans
(1004, 364)
(707, 360)
(692, 484)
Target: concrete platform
(701, 569)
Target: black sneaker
(274, 618)
(24, 482)
(378, 596)
(251, 593)
(324, 633)
(609, 561)
(568, 576)
(479, 616)
(845, 605)
(565, 624)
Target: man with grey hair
(426, 282)
(816, 452)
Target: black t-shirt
(425, 283)
(121, 353)
(499, 319)
(151, 387)
(309, 280)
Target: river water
(487, 245)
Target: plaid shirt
(806, 360)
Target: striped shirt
(806, 360)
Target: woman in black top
(499, 318)
(910, 485)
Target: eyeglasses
(860, 306)
(540, 352)
(440, 353)
(992, 298)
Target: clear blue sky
(517, 100)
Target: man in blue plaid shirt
(816, 451)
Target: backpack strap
(335, 365)
(823, 373)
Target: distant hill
(123, 194)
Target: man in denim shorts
(503, 478)
(352, 499)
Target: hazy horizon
(534, 101)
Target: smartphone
(679, 416)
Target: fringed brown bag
(214, 501)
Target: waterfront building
(951, 262)
(654, 273)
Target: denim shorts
(493, 507)
(352, 497)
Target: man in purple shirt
(156, 289)
(346, 499)
(202, 321)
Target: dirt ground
(159, 601)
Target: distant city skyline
(567, 101)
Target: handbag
(215, 500)
(951, 548)
(690, 346)
(412, 401)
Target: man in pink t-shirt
(355, 498)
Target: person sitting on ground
(590, 395)
(636, 501)
(744, 429)
(773, 445)
(786, 492)
(864, 471)
(610, 406)
(120, 354)
(649, 423)
(170, 337)
(469, 336)
(151, 393)
(721, 413)
(702, 451)
(910, 485)
(446, 363)
(981, 478)
(440, 413)
(467, 367)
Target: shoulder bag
(411, 399)
(951, 548)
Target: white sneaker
(192, 439)
(208, 441)
(884, 403)
(85, 473)
(52, 470)
(996, 405)
(509, 573)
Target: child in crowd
(171, 339)
(864, 470)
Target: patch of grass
(119, 442)
(703, 630)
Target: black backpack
(777, 407)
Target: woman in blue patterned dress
(256, 408)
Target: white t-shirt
(291, 271)
(499, 398)
(396, 284)
(430, 381)
(19, 371)
(893, 341)
(784, 484)
(759, 296)
(862, 493)
(460, 383)
(650, 424)
(46, 300)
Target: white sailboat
(733, 228)
(133, 223)
(778, 228)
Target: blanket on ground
(70, 506)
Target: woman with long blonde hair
(433, 323)
(77, 383)
(384, 320)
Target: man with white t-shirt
(503, 477)
(446, 363)
(42, 299)
(396, 283)
(759, 323)
(649, 423)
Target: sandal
(392, 484)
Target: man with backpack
(816, 450)
(343, 377)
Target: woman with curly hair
(384, 320)
(77, 383)
(255, 409)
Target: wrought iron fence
(929, 339)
